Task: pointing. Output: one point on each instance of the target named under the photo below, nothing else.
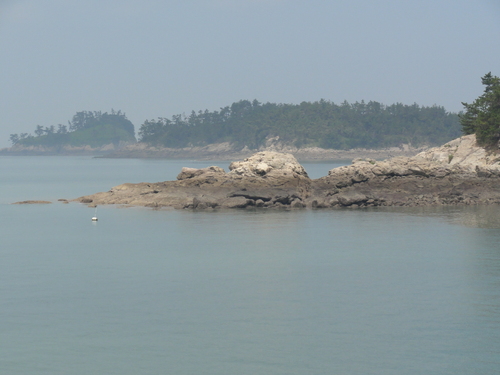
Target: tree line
(321, 123)
(250, 123)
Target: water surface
(376, 291)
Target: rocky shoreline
(457, 173)
(19, 150)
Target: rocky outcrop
(267, 179)
(32, 202)
(458, 172)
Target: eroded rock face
(459, 157)
(458, 172)
(462, 151)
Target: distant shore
(220, 151)
(225, 151)
(19, 150)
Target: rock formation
(32, 202)
(458, 172)
(267, 179)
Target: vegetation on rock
(87, 128)
(482, 117)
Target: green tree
(39, 130)
(14, 138)
(62, 129)
(482, 117)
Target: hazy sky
(157, 58)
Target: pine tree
(482, 117)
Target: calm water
(401, 291)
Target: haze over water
(385, 291)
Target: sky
(158, 58)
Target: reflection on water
(480, 216)
(477, 216)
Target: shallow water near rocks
(379, 291)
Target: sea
(380, 291)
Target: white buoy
(94, 218)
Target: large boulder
(268, 162)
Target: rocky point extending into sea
(457, 173)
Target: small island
(89, 132)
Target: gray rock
(350, 198)
(237, 202)
(33, 202)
